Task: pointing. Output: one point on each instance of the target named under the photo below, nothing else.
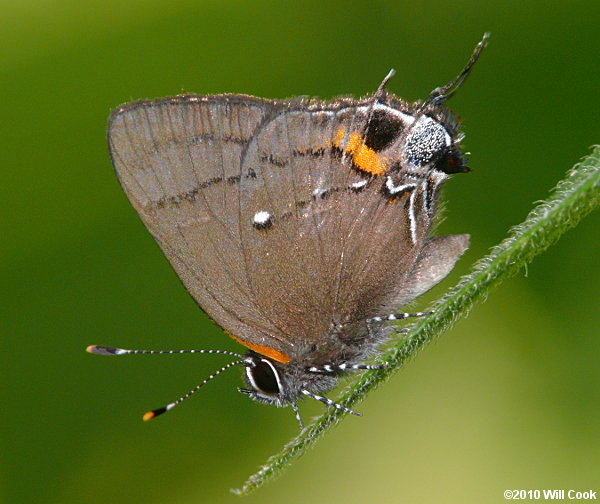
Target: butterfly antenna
(107, 350)
(329, 402)
(441, 94)
(159, 411)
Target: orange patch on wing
(264, 350)
(365, 158)
(339, 136)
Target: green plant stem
(571, 200)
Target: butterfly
(299, 226)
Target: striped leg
(397, 316)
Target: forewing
(179, 161)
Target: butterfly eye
(452, 162)
(263, 377)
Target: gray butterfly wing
(179, 162)
(268, 212)
(338, 248)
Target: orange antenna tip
(148, 416)
(105, 350)
(154, 413)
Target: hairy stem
(572, 199)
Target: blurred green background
(509, 399)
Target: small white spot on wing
(262, 220)
(262, 217)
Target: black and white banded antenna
(106, 350)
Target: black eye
(452, 162)
(263, 378)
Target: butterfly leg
(390, 318)
(397, 316)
